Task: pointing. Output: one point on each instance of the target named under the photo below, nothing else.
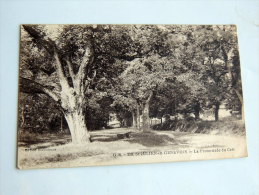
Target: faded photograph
(93, 95)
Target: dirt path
(157, 146)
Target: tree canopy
(91, 71)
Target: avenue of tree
(86, 72)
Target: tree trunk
(216, 111)
(134, 119)
(127, 121)
(23, 119)
(71, 98)
(74, 111)
(61, 124)
(138, 117)
(77, 126)
(145, 114)
(228, 64)
(197, 110)
(242, 104)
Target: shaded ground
(40, 141)
(228, 125)
(56, 150)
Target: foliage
(184, 68)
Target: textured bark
(70, 98)
(77, 126)
(73, 104)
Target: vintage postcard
(92, 95)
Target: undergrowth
(223, 126)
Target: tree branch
(150, 96)
(30, 86)
(71, 71)
(51, 48)
(48, 72)
(126, 57)
(60, 71)
(80, 77)
(86, 62)
(93, 77)
(38, 38)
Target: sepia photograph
(107, 94)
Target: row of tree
(131, 70)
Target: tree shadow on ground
(37, 141)
(43, 144)
(150, 139)
(147, 139)
(104, 138)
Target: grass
(56, 150)
(28, 139)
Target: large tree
(73, 65)
(88, 68)
(144, 77)
(70, 84)
(211, 52)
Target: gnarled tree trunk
(77, 126)
(71, 95)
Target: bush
(226, 126)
